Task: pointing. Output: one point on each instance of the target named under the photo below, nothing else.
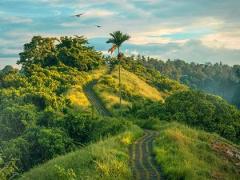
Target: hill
(107, 159)
(107, 89)
(186, 153)
(218, 78)
(48, 127)
(136, 85)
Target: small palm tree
(117, 39)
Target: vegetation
(186, 153)
(196, 109)
(218, 78)
(45, 116)
(38, 117)
(117, 39)
(106, 159)
(133, 88)
(71, 51)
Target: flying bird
(98, 26)
(79, 15)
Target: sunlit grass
(132, 83)
(107, 89)
(106, 159)
(186, 153)
(76, 94)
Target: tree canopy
(71, 51)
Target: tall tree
(117, 39)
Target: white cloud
(230, 40)
(96, 13)
(15, 20)
(154, 36)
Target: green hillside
(186, 153)
(106, 159)
(60, 118)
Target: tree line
(219, 79)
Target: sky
(193, 30)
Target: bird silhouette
(98, 26)
(79, 15)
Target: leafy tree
(45, 143)
(74, 52)
(117, 39)
(71, 51)
(15, 119)
(39, 51)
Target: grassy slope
(107, 89)
(186, 153)
(106, 159)
(76, 94)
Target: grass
(76, 94)
(186, 153)
(108, 90)
(106, 159)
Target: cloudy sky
(193, 30)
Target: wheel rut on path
(141, 159)
(94, 99)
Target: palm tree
(117, 39)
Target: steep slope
(133, 88)
(186, 153)
(141, 160)
(76, 94)
(105, 159)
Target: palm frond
(118, 38)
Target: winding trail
(142, 161)
(94, 99)
(141, 158)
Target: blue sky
(199, 31)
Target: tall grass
(186, 153)
(107, 159)
(76, 95)
(132, 87)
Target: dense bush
(152, 76)
(71, 51)
(197, 109)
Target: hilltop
(52, 130)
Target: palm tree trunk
(120, 87)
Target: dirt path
(94, 99)
(141, 159)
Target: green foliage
(151, 76)
(71, 51)
(40, 51)
(63, 174)
(8, 170)
(83, 129)
(117, 38)
(16, 119)
(218, 78)
(47, 143)
(205, 111)
(106, 159)
(186, 153)
(197, 109)
(74, 52)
